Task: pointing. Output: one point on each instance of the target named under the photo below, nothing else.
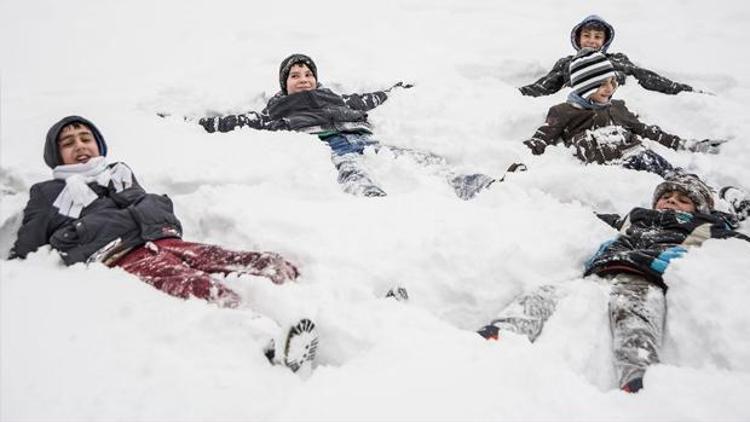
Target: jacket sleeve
(551, 82)
(365, 102)
(652, 132)
(649, 79)
(230, 122)
(547, 134)
(39, 221)
(613, 220)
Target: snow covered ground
(91, 343)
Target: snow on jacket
(315, 111)
(647, 234)
(598, 135)
(559, 76)
(131, 215)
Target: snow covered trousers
(636, 318)
(185, 269)
(353, 176)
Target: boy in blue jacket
(634, 262)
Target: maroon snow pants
(184, 269)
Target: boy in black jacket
(94, 211)
(340, 121)
(682, 217)
(594, 32)
(603, 130)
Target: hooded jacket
(582, 129)
(645, 234)
(122, 220)
(316, 111)
(559, 76)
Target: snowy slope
(97, 344)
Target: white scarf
(77, 194)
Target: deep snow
(94, 343)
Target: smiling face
(77, 144)
(605, 91)
(675, 200)
(592, 38)
(300, 79)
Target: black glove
(208, 123)
(536, 146)
(404, 85)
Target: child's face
(605, 91)
(77, 144)
(300, 79)
(592, 38)
(675, 200)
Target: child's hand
(400, 84)
(708, 146)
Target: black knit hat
(690, 185)
(286, 67)
(52, 150)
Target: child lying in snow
(602, 130)
(93, 211)
(340, 121)
(634, 263)
(595, 33)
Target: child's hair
(74, 125)
(594, 26)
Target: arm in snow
(368, 101)
(547, 134)
(551, 82)
(365, 102)
(652, 132)
(40, 219)
(230, 122)
(613, 220)
(647, 78)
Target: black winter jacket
(317, 111)
(559, 77)
(132, 215)
(646, 233)
(572, 124)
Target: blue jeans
(346, 143)
(647, 160)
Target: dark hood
(610, 32)
(51, 151)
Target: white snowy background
(92, 343)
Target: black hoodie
(131, 215)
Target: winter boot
(489, 332)
(738, 199)
(632, 382)
(398, 293)
(299, 348)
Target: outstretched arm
(39, 221)
(647, 78)
(370, 100)
(230, 122)
(551, 82)
(547, 134)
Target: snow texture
(92, 343)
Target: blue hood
(610, 32)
